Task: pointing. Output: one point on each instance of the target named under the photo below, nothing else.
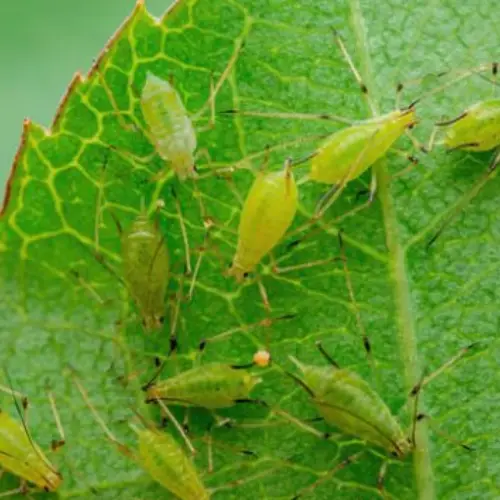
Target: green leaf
(419, 308)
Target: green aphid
(146, 268)
(211, 386)
(348, 402)
(476, 129)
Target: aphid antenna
(287, 116)
(425, 379)
(444, 435)
(327, 356)
(56, 444)
(450, 215)
(120, 446)
(325, 477)
(21, 410)
(355, 72)
(350, 288)
(177, 425)
(266, 322)
(244, 480)
(332, 195)
(182, 226)
(215, 89)
(459, 75)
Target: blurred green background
(42, 43)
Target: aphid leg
(177, 425)
(22, 489)
(327, 356)
(263, 294)
(215, 89)
(355, 72)
(245, 480)
(266, 322)
(120, 446)
(328, 475)
(137, 125)
(183, 231)
(56, 443)
(306, 265)
(381, 478)
(364, 336)
(467, 198)
(413, 162)
(174, 321)
(333, 194)
(425, 379)
(438, 371)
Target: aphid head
(238, 272)
(184, 165)
(402, 448)
(153, 322)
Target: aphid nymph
(169, 125)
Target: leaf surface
(63, 308)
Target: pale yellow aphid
(21, 456)
(169, 125)
(268, 211)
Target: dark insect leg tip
(202, 345)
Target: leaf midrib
(398, 276)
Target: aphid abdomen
(211, 386)
(17, 455)
(268, 211)
(346, 154)
(169, 124)
(478, 130)
(167, 463)
(346, 401)
(146, 269)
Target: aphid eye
(246, 275)
(161, 319)
(394, 454)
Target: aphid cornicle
(212, 386)
(146, 269)
(169, 125)
(268, 211)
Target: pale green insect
(161, 456)
(346, 401)
(169, 124)
(146, 268)
(476, 129)
(267, 213)
(211, 386)
(345, 155)
(21, 456)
